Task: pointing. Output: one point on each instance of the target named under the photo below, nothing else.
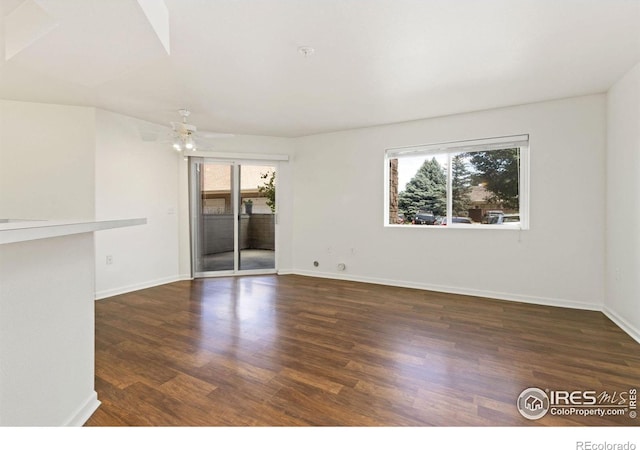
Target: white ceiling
(235, 63)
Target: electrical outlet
(109, 259)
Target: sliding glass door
(233, 217)
(212, 216)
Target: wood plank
(300, 351)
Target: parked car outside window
(424, 218)
(443, 220)
(492, 217)
(502, 219)
(511, 218)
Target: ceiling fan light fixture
(185, 136)
(188, 143)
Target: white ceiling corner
(158, 17)
(24, 25)
(95, 41)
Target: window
(481, 183)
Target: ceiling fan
(185, 136)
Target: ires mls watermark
(534, 403)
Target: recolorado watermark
(534, 403)
(588, 445)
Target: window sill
(459, 227)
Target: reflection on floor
(250, 259)
(288, 350)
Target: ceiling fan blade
(186, 133)
(214, 135)
(202, 144)
(151, 133)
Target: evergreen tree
(460, 185)
(499, 171)
(425, 192)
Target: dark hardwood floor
(300, 351)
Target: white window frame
(452, 148)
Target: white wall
(46, 161)
(134, 178)
(46, 302)
(338, 206)
(622, 301)
(244, 146)
(47, 332)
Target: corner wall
(134, 178)
(622, 301)
(47, 332)
(47, 342)
(46, 161)
(338, 204)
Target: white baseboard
(456, 290)
(136, 287)
(84, 412)
(626, 326)
(615, 318)
(286, 272)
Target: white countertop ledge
(20, 231)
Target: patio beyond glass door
(233, 217)
(256, 230)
